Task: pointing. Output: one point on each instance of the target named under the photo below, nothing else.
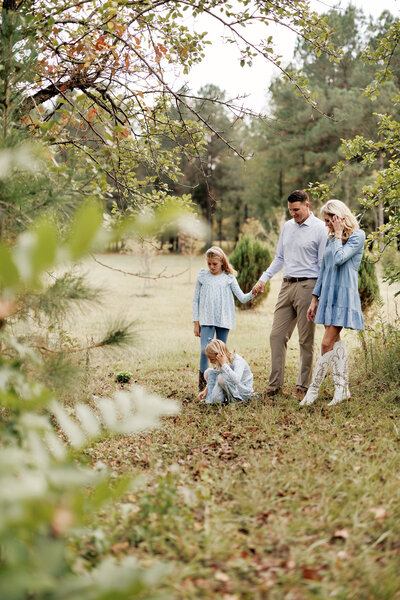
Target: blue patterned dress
(213, 302)
(337, 284)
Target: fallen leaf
(311, 573)
(221, 576)
(341, 534)
(290, 564)
(119, 547)
(379, 512)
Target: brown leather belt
(296, 279)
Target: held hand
(203, 394)
(196, 328)
(338, 226)
(312, 309)
(222, 359)
(258, 288)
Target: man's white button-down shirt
(300, 249)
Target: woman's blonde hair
(215, 347)
(340, 209)
(217, 252)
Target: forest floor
(251, 501)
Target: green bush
(123, 377)
(368, 286)
(250, 258)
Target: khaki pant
(291, 308)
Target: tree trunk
(380, 205)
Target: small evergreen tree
(368, 285)
(250, 258)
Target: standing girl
(336, 301)
(213, 304)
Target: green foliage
(381, 352)
(123, 377)
(376, 153)
(47, 493)
(304, 145)
(64, 291)
(95, 90)
(368, 285)
(391, 263)
(250, 258)
(119, 334)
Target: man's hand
(258, 288)
(312, 309)
(196, 328)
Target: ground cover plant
(263, 500)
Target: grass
(255, 501)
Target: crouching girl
(231, 378)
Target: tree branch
(159, 276)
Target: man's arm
(273, 269)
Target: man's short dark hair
(298, 196)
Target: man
(300, 250)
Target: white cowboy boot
(320, 371)
(340, 372)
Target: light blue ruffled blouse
(213, 302)
(238, 381)
(337, 284)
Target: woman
(336, 301)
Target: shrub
(123, 377)
(368, 286)
(250, 258)
(381, 352)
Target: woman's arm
(318, 284)
(343, 252)
(312, 309)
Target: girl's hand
(222, 359)
(338, 226)
(203, 393)
(196, 328)
(312, 309)
(258, 288)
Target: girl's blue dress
(213, 302)
(337, 284)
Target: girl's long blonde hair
(215, 347)
(340, 209)
(216, 251)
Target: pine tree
(250, 258)
(368, 285)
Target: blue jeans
(207, 332)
